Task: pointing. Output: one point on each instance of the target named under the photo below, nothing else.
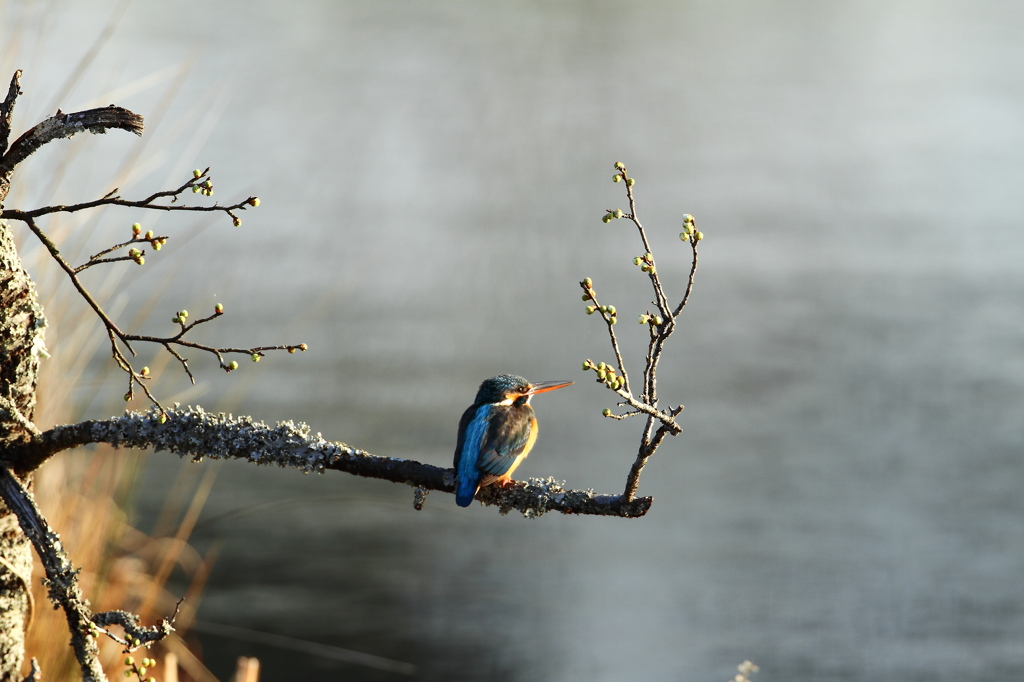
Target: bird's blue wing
(508, 440)
(472, 430)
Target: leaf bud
(645, 268)
(606, 412)
(586, 297)
(136, 228)
(591, 309)
(614, 320)
(255, 357)
(588, 283)
(162, 419)
(607, 218)
(134, 253)
(617, 213)
(611, 309)
(586, 365)
(195, 189)
(630, 182)
(183, 314)
(140, 260)
(197, 173)
(208, 184)
(157, 244)
(638, 260)
(254, 202)
(149, 234)
(687, 219)
(601, 367)
(684, 236)
(620, 166)
(129, 661)
(237, 222)
(700, 235)
(616, 178)
(643, 319)
(219, 308)
(658, 320)
(649, 257)
(232, 366)
(601, 375)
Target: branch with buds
(121, 349)
(660, 324)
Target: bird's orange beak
(545, 386)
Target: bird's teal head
(509, 388)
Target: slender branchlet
(660, 323)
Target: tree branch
(61, 125)
(194, 433)
(7, 111)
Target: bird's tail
(465, 491)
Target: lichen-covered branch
(62, 583)
(197, 434)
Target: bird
(496, 433)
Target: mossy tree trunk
(21, 343)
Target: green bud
(591, 309)
(142, 670)
(617, 213)
(700, 235)
(588, 283)
(303, 347)
(601, 367)
(586, 365)
(601, 375)
(208, 184)
(136, 641)
(255, 357)
(614, 320)
(129, 661)
(687, 219)
(127, 673)
(611, 310)
(620, 166)
(219, 308)
(658, 320)
(162, 418)
(606, 412)
(616, 178)
(136, 228)
(232, 366)
(237, 222)
(144, 371)
(183, 313)
(128, 396)
(254, 202)
(643, 319)
(645, 268)
(586, 297)
(649, 257)
(197, 173)
(630, 182)
(149, 234)
(140, 260)
(195, 189)
(684, 236)
(157, 244)
(134, 253)
(607, 218)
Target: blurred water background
(844, 504)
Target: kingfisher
(496, 433)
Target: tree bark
(21, 346)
